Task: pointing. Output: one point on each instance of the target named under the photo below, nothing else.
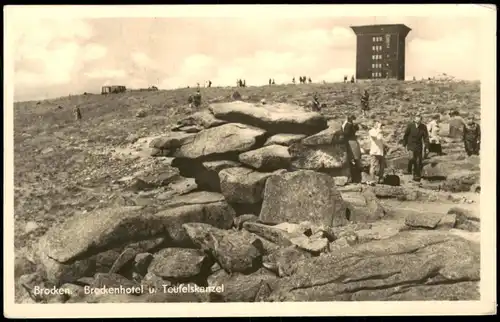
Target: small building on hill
(380, 51)
(113, 89)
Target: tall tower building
(380, 51)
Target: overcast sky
(58, 56)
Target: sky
(56, 56)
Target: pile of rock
(267, 221)
(238, 146)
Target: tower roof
(367, 29)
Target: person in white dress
(433, 127)
(377, 152)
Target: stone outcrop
(256, 199)
(409, 266)
(275, 119)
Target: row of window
(376, 75)
(377, 39)
(376, 65)
(376, 57)
(377, 48)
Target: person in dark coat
(365, 102)
(78, 114)
(197, 99)
(315, 103)
(472, 137)
(349, 129)
(456, 125)
(415, 140)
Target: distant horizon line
(128, 90)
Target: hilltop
(65, 168)
(53, 154)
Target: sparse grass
(56, 158)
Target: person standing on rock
(310, 80)
(315, 103)
(78, 114)
(197, 98)
(472, 137)
(456, 125)
(270, 81)
(352, 79)
(433, 127)
(293, 80)
(377, 152)
(365, 102)
(349, 128)
(415, 140)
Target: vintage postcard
(249, 160)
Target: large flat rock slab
(284, 139)
(90, 233)
(408, 266)
(269, 158)
(222, 140)
(274, 118)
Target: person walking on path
(472, 137)
(78, 114)
(349, 129)
(433, 127)
(415, 140)
(365, 102)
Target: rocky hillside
(144, 191)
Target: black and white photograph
(283, 160)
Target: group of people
(241, 83)
(352, 79)
(419, 141)
(195, 99)
(303, 80)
